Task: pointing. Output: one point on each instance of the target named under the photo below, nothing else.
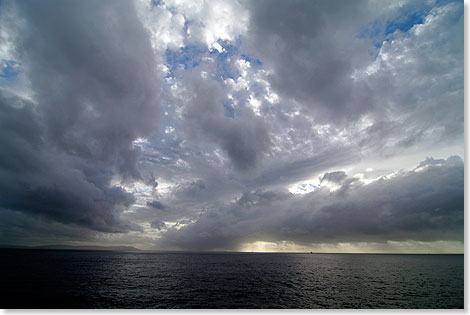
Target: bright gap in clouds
(441, 247)
(227, 125)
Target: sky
(231, 125)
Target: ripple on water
(94, 279)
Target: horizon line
(120, 248)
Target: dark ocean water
(105, 279)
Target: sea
(110, 279)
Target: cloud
(313, 50)
(335, 177)
(424, 204)
(156, 204)
(208, 23)
(244, 139)
(336, 60)
(121, 117)
(92, 98)
(158, 225)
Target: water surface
(106, 279)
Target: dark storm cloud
(424, 204)
(319, 53)
(335, 177)
(244, 139)
(38, 179)
(158, 225)
(96, 96)
(156, 204)
(313, 50)
(300, 147)
(92, 97)
(196, 147)
(21, 228)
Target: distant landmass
(76, 247)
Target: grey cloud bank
(202, 126)
(92, 98)
(409, 205)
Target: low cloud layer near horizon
(233, 125)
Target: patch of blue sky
(405, 21)
(225, 67)
(229, 48)
(373, 31)
(380, 30)
(156, 3)
(187, 57)
(191, 56)
(308, 187)
(252, 59)
(9, 69)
